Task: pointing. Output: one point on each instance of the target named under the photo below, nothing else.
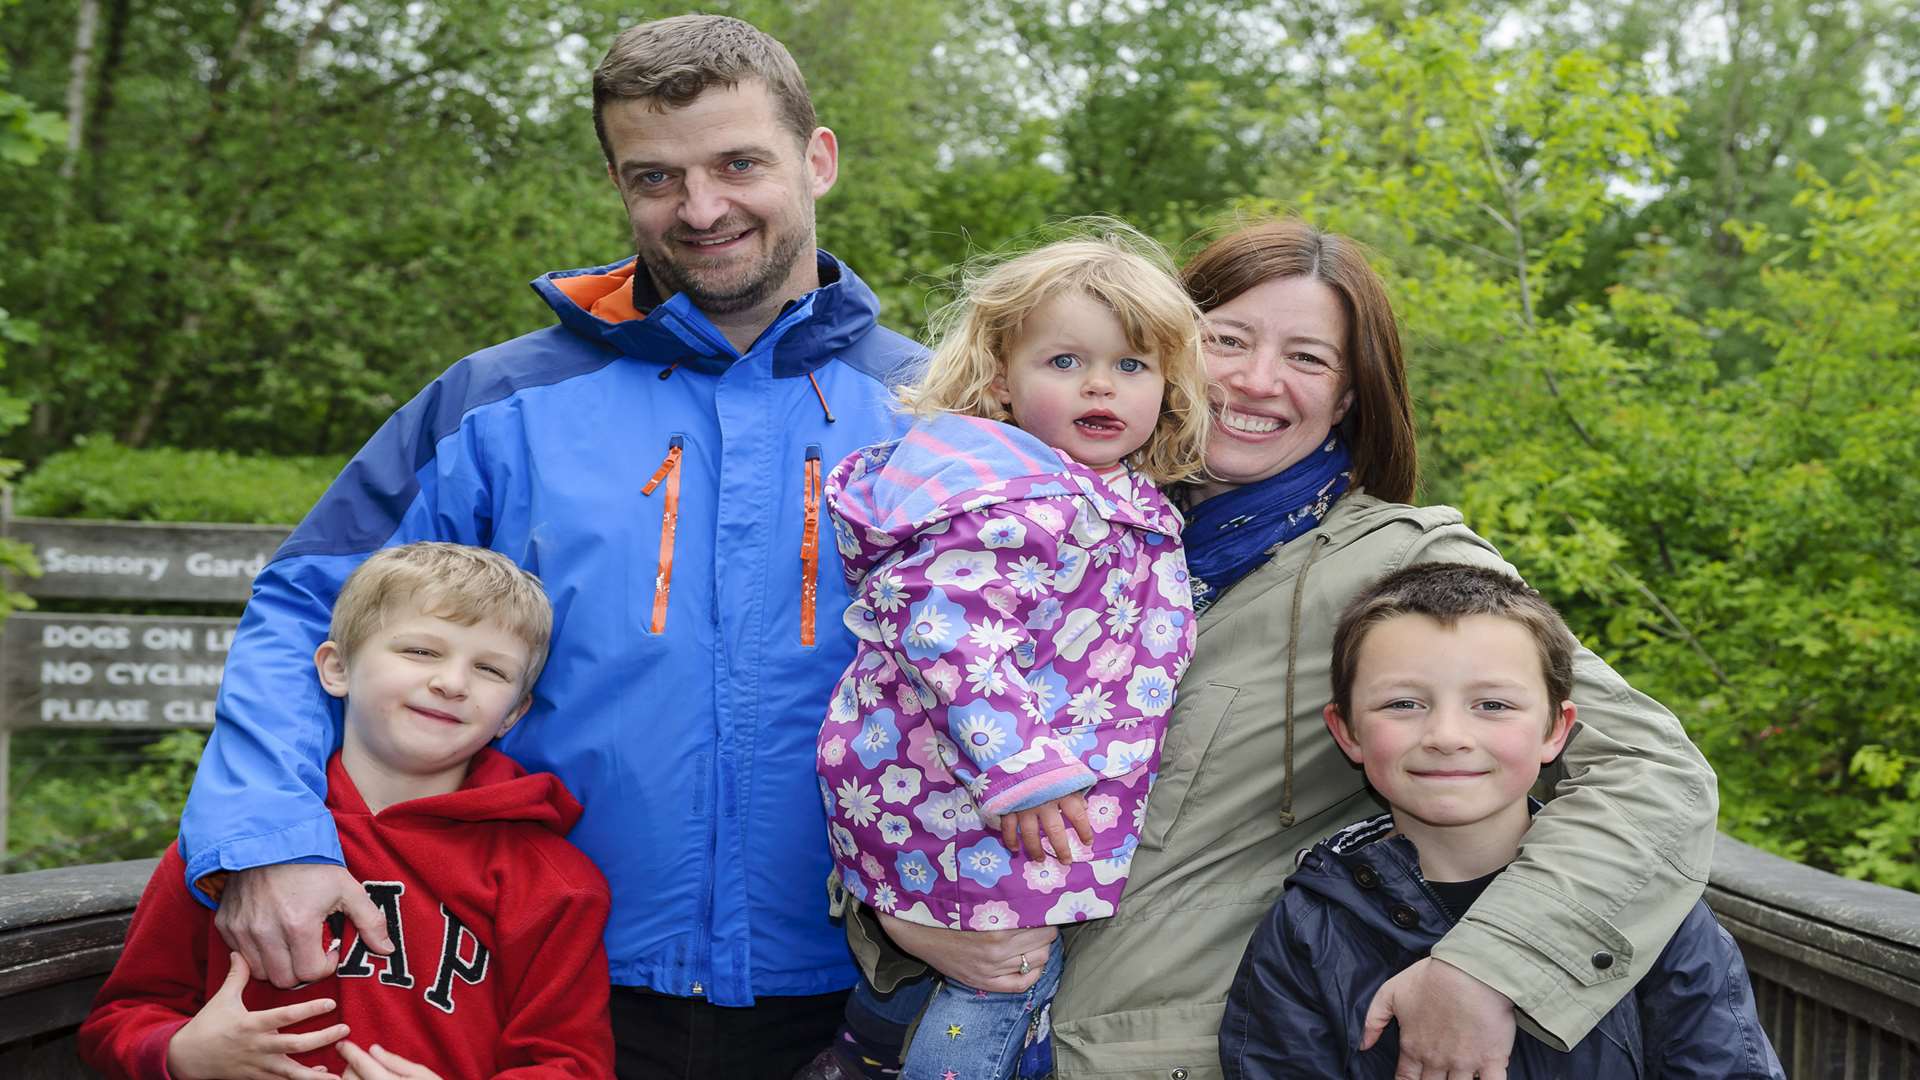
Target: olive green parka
(1249, 777)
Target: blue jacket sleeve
(1276, 1023)
(1697, 1014)
(259, 796)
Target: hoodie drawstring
(669, 471)
(810, 543)
(1293, 656)
(828, 413)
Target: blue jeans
(968, 1034)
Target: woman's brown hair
(1379, 426)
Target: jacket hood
(949, 465)
(496, 789)
(1355, 514)
(616, 306)
(1373, 875)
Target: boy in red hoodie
(498, 969)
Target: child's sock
(870, 1042)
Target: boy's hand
(379, 1063)
(273, 916)
(225, 1041)
(1050, 819)
(1452, 1025)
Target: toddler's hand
(225, 1041)
(1050, 819)
(378, 1063)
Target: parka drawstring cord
(1293, 657)
(669, 370)
(669, 520)
(823, 398)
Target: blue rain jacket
(1357, 912)
(691, 748)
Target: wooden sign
(124, 671)
(129, 560)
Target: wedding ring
(1024, 966)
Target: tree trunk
(119, 14)
(85, 25)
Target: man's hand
(1452, 1025)
(1050, 819)
(275, 917)
(982, 959)
(378, 1063)
(224, 1040)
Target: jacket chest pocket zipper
(668, 471)
(810, 545)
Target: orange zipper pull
(669, 471)
(810, 547)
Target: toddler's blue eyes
(1131, 364)
(1064, 361)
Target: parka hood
(898, 491)
(496, 789)
(618, 306)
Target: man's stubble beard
(671, 277)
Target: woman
(1307, 366)
(1313, 460)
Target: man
(655, 458)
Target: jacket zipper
(669, 471)
(810, 546)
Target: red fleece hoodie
(500, 972)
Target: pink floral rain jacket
(1022, 624)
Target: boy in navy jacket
(499, 969)
(1451, 688)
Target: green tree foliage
(281, 221)
(1654, 261)
(25, 133)
(1740, 539)
(81, 802)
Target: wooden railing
(1835, 963)
(60, 932)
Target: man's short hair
(465, 585)
(1447, 593)
(672, 61)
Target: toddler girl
(1021, 599)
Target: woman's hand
(982, 959)
(1050, 820)
(1452, 1025)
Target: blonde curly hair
(1121, 269)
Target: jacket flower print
(1022, 624)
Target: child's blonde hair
(465, 585)
(1115, 265)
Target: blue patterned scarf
(1234, 533)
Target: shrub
(102, 479)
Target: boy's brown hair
(462, 584)
(1447, 593)
(672, 61)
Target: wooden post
(6, 767)
(6, 733)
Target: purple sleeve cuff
(1029, 789)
